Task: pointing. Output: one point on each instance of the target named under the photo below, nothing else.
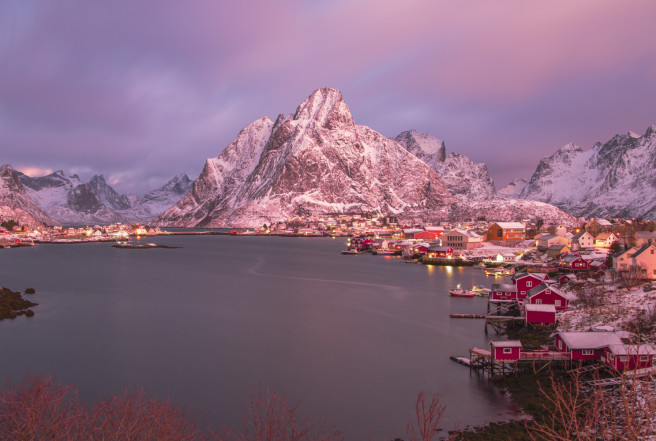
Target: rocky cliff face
(314, 161)
(465, 179)
(16, 204)
(615, 179)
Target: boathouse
(586, 345)
(540, 314)
(624, 357)
(505, 350)
(503, 291)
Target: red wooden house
(503, 291)
(536, 314)
(361, 243)
(441, 252)
(505, 350)
(586, 345)
(526, 281)
(573, 262)
(624, 357)
(544, 294)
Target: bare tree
(269, 416)
(428, 416)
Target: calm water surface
(357, 337)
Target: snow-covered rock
(316, 161)
(16, 204)
(513, 189)
(465, 179)
(616, 179)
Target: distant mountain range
(66, 200)
(318, 160)
(615, 179)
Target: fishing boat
(351, 251)
(459, 292)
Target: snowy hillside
(16, 204)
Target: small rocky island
(12, 304)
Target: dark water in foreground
(357, 337)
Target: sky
(140, 91)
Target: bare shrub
(269, 416)
(428, 414)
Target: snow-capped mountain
(315, 161)
(616, 179)
(465, 179)
(513, 189)
(69, 201)
(16, 204)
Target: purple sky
(142, 90)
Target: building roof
(505, 287)
(547, 236)
(541, 276)
(467, 233)
(541, 287)
(510, 225)
(603, 222)
(507, 344)
(540, 308)
(558, 247)
(439, 248)
(577, 236)
(571, 258)
(642, 249)
(603, 236)
(589, 340)
(645, 234)
(622, 349)
(628, 250)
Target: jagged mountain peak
(318, 161)
(15, 201)
(513, 189)
(325, 107)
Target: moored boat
(351, 251)
(459, 292)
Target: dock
(468, 316)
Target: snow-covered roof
(434, 228)
(543, 286)
(540, 308)
(603, 222)
(589, 340)
(467, 233)
(505, 287)
(509, 225)
(507, 344)
(622, 349)
(541, 276)
(603, 236)
(577, 236)
(547, 237)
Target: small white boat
(479, 290)
(459, 292)
(351, 251)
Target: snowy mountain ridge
(465, 179)
(615, 179)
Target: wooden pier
(481, 360)
(468, 316)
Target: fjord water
(356, 337)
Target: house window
(587, 352)
(624, 358)
(644, 358)
(507, 350)
(538, 302)
(557, 302)
(524, 292)
(560, 345)
(548, 291)
(529, 284)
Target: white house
(605, 239)
(644, 261)
(582, 241)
